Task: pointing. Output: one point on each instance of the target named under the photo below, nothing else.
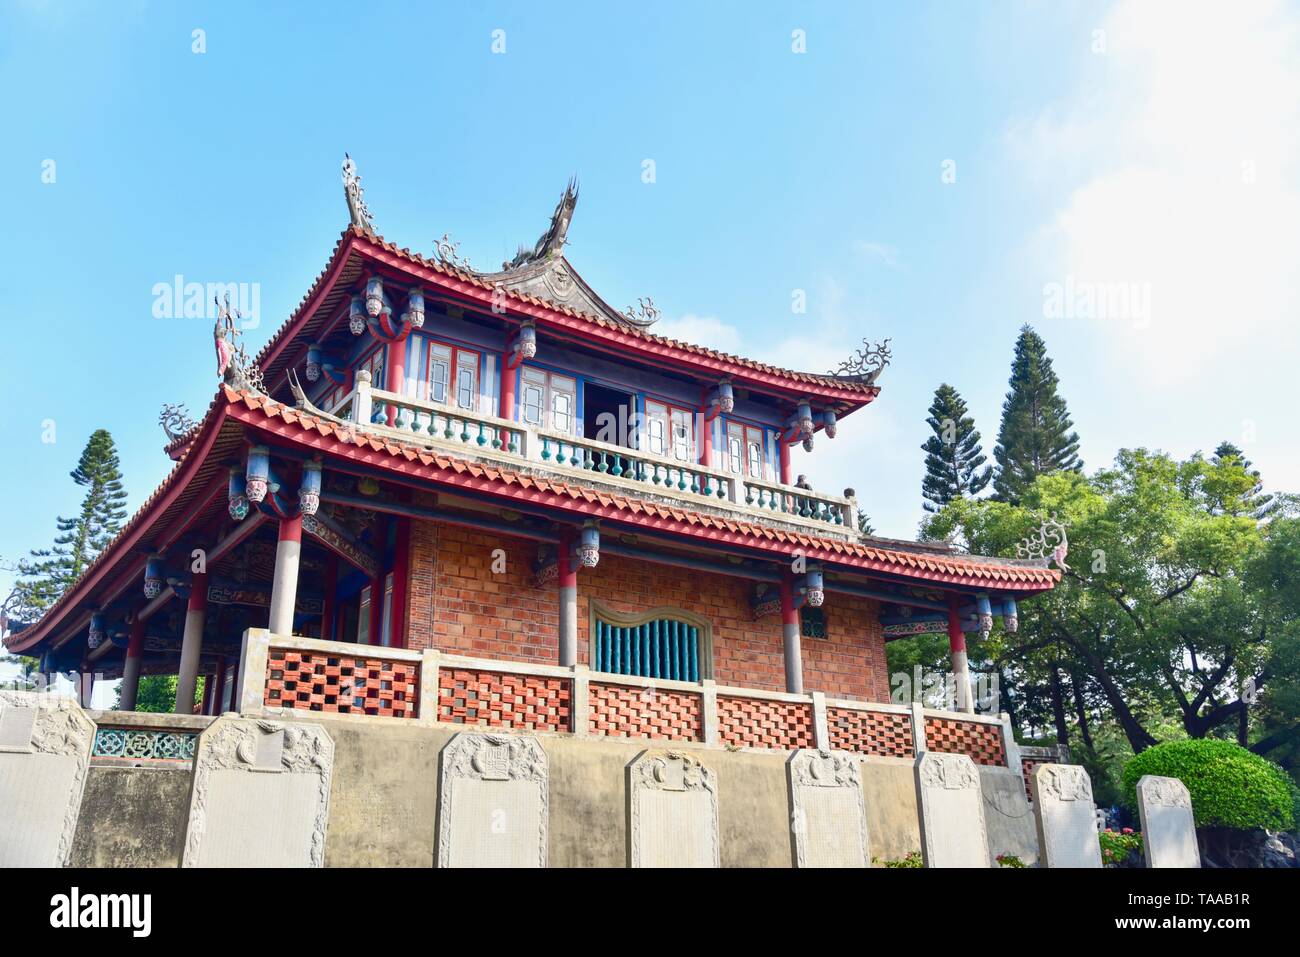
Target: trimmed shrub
(1230, 786)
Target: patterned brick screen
(982, 742)
(499, 700)
(341, 684)
(758, 723)
(880, 733)
(618, 711)
(1027, 766)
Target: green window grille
(660, 648)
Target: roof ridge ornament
(176, 421)
(646, 313)
(866, 364)
(553, 241)
(1047, 542)
(355, 196)
(448, 254)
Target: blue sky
(1135, 147)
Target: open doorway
(609, 415)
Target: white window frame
(550, 388)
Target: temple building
(502, 468)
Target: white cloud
(1181, 146)
(707, 331)
(880, 251)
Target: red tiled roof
(987, 571)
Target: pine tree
(1253, 501)
(51, 571)
(1036, 436)
(953, 454)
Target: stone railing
(283, 673)
(467, 432)
(139, 739)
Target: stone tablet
(1007, 817)
(1168, 826)
(494, 801)
(1065, 816)
(951, 807)
(261, 795)
(672, 808)
(45, 745)
(828, 821)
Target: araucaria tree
(952, 454)
(47, 574)
(1036, 437)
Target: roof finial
(552, 241)
(866, 364)
(357, 208)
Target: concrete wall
(383, 802)
(132, 817)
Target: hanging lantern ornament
(814, 588)
(985, 610)
(96, 635)
(356, 317)
(1010, 616)
(527, 340)
(726, 397)
(374, 296)
(153, 577)
(415, 309)
(313, 363)
(236, 500)
(309, 491)
(828, 423)
(805, 419)
(258, 473)
(589, 546)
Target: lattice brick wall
(758, 723)
(500, 700)
(341, 684)
(618, 711)
(982, 742)
(1027, 766)
(880, 733)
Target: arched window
(668, 643)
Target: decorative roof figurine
(448, 254)
(552, 241)
(645, 314)
(357, 208)
(866, 364)
(233, 365)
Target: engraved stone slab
(1007, 817)
(951, 807)
(493, 806)
(828, 821)
(1065, 816)
(1168, 825)
(45, 745)
(261, 795)
(672, 808)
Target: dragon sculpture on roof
(552, 241)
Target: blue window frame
(663, 643)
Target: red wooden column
(395, 373)
(131, 670)
(960, 666)
(568, 585)
(401, 574)
(196, 615)
(790, 634)
(284, 583)
(509, 373)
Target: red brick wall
(457, 605)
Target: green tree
(1035, 437)
(1169, 619)
(157, 694)
(45, 576)
(1238, 492)
(952, 454)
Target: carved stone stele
(672, 807)
(1168, 824)
(828, 814)
(494, 802)
(951, 805)
(261, 795)
(1065, 816)
(45, 743)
